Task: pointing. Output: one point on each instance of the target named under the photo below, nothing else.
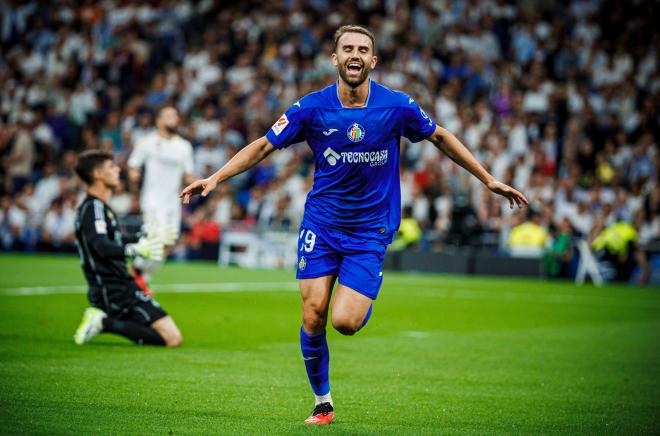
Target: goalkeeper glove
(147, 247)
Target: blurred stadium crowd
(558, 98)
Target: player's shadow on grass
(111, 344)
(122, 345)
(60, 340)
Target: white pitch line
(164, 288)
(415, 334)
(447, 293)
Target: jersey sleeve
(188, 163)
(138, 155)
(131, 238)
(94, 229)
(290, 128)
(417, 125)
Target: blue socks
(317, 361)
(366, 317)
(317, 358)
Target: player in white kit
(167, 159)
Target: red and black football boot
(323, 414)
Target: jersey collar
(366, 103)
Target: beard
(171, 129)
(353, 82)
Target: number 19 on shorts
(308, 239)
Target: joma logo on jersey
(355, 132)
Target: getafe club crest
(302, 264)
(355, 132)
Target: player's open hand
(514, 197)
(200, 187)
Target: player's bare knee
(346, 329)
(314, 317)
(171, 336)
(345, 326)
(173, 339)
(315, 308)
(173, 342)
(313, 322)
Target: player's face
(354, 58)
(169, 119)
(108, 174)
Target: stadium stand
(559, 99)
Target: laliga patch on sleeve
(101, 227)
(280, 125)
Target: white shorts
(162, 218)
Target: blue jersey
(356, 180)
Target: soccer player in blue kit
(353, 211)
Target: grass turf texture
(441, 354)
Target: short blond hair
(353, 28)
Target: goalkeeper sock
(317, 361)
(137, 333)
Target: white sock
(327, 398)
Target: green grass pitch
(441, 355)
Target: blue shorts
(356, 261)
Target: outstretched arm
(94, 232)
(245, 159)
(459, 153)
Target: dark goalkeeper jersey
(101, 247)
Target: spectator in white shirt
(209, 155)
(209, 126)
(59, 225)
(12, 221)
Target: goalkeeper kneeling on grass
(118, 305)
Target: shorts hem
(160, 316)
(341, 282)
(317, 274)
